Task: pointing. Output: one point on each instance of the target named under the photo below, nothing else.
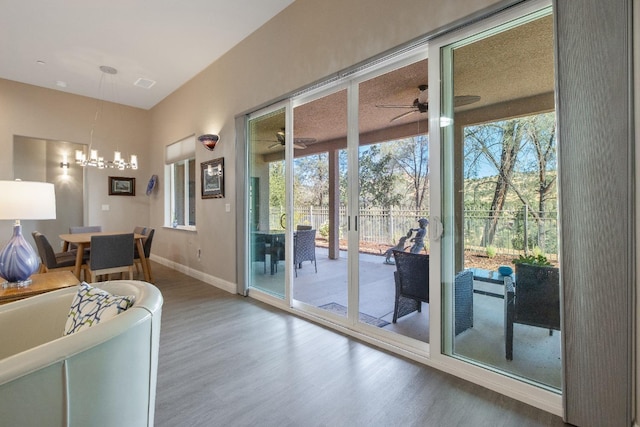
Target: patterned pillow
(92, 306)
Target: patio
(536, 354)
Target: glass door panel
(500, 201)
(266, 178)
(393, 179)
(320, 259)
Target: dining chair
(139, 230)
(146, 245)
(51, 260)
(111, 254)
(83, 229)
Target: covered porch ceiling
(512, 78)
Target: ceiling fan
(299, 143)
(421, 103)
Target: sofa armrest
(33, 321)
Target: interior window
(180, 173)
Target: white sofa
(102, 376)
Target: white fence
(386, 226)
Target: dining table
(83, 240)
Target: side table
(41, 283)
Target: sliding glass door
(320, 203)
(500, 258)
(393, 198)
(360, 187)
(266, 202)
(392, 204)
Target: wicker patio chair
(304, 248)
(463, 306)
(535, 301)
(412, 283)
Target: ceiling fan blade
(304, 140)
(277, 144)
(396, 106)
(459, 101)
(299, 146)
(403, 115)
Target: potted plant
(540, 260)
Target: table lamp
(23, 200)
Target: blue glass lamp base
(18, 260)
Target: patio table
(489, 276)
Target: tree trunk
(510, 148)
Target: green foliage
(377, 179)
(491, 251)
(532, 260)
(324, 230)
(276, 184)
(311, 180)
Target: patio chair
(463, 305)
(535, 301)
(412, 283)
(111, 254)
(303, 227)
(304, 248)
(259, 250)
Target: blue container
(505, 270)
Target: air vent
(145, 83)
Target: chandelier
(96, 160)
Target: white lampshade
(27, 200)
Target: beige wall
(44, 114)
(308, 41)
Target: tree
(525, 146)
(376, 178)
(499, 143)
(311, 180)
(411, 155)
(276, 184)
(541, 134)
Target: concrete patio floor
(537, 355)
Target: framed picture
(119, 186)
(212, 174)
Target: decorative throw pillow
(92, 306)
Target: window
(180, 174)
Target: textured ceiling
(510, 66)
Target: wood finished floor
(227, 360)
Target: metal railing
(512, 229)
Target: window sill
(181, 227)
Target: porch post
(334, 205)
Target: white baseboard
(207, 278)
